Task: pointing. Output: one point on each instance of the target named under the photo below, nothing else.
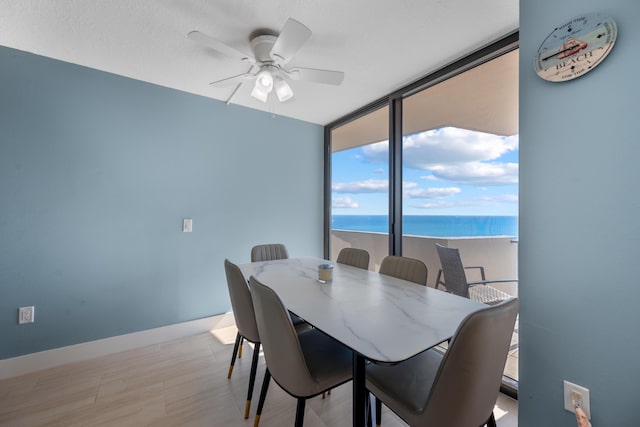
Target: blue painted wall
(580, 224)
(97, 172)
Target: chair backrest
(282, 350)
(241, 302)
(405, 268)
(269, 252)
(455, 279)
(354, 257)
(468, 380)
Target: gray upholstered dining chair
(244, 316)
(458, 388)
(410, 269)
(304, 364)
(455, 279)
(269, 252)
(354, 257)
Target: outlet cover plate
(187, 225)
(584, 392)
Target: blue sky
(447, 171)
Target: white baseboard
(75, 353)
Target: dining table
(381, 318)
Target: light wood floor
(177, 383)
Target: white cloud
(478, 173)
(445, 146)
(430, 193)
(377, 152)
(454, 146)
(439, 204)
(408, 184)
(344, 202)
(409, 189)
(368, 186)
(504, 198)
(483, 201)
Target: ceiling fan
(271, 53)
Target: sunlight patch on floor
(226, 335)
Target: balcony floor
(511, 368)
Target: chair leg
(368, 408)
(240, 350)
(252, 378)
(300, 412)
(263, 396)
(491, 422)
(235, 353)
(378, 412)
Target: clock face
(576, 47)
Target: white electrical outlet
(580, 393)
(26, 315)
(187, 225)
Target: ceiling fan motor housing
(261, 47)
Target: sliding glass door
(460, 174)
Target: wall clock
(575, 47)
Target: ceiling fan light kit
(264, 79)
(283, 90)
(260, 93)
(270, 54)
(267, 79)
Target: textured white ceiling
(380, 45)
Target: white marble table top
(382, 318)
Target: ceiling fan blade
(218, 45)
(233, 80)
(293, 35)
(315, 75)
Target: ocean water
(432, 225)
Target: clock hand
(562, 51)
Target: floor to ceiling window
(435, 162)
(460, 161)
(360, 185)
(460, 174)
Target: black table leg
(359, 390)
